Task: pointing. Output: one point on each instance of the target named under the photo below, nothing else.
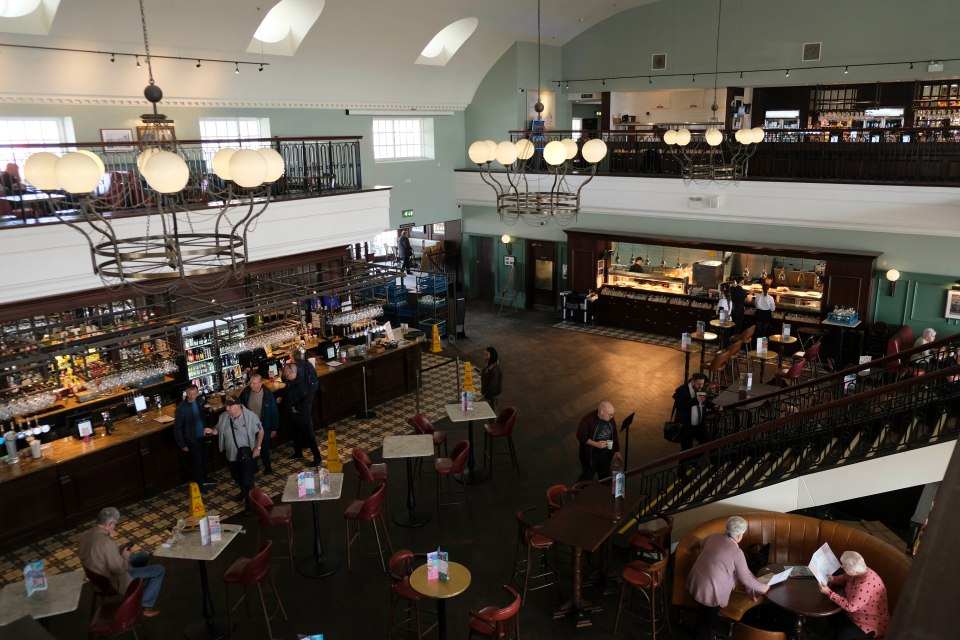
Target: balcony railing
(313, 166)
(927, 156)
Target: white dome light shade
(683, 137)
(594, 150)
(40, 170)
(506, 153)
(491, 150)
(248, 168)
(274, 160)
(95, 158)
(505, 239)
(145, 156)
(478, 152)
(743, 136)
(757, 134)
(554, 153)
(221, 162)
(670, 136)
(571, 148)
(166, 172)
(525, 149)
(713, 137)
(17, 8)
(77, 173)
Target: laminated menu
(438, 565)
(701, 327)
(466, 401)
(685, 341)
(33, 577)
(205, 530)
(324, 482)
(823, 563)
(306, 484)
(216, 532)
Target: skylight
(447, 42)
(27, 17)
(285, 26)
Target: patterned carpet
(145, 523)
(622, 334)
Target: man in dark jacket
(738, 298)
(261, 401)
(298, 412)
(188, 425)
(599, 442)
(404, 251)
(690, 408)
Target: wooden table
(584, 524)
(458, 580)
(409, 447)
(799, 596)
(763, 358)
(783, 341)
(190, 548)
(62, 595)
(691, 348)
(481, 411)
(705, 337)
(318, 565)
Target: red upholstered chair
(367, 471)
(501, 428)
(368, 510)
(555, 495)
(648, 579)
(422, 425)
(537, 547)
(812, 356)
(121, 616)
(647, 542)
(246, 572)
(452, 466)
(791, 376)
(497, 622)
(102, 589)
(271, 515)
(401, 566)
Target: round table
(724, 326)
(458, 579)
(690, 348)
(782, 341)
(799, 596)
(764, 357)
(705, 337)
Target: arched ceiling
(359, 53)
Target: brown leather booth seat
(792, 540)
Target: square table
(62, 595)
(409, 447)
(317, 565)
(481, 411)
(190, 548)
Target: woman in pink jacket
(715, 573)
(863, 597)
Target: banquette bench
(792, 540)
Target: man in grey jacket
(241, 436)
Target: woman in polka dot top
(863, 596)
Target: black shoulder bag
(244, 454)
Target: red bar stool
(497, 622)
(812, 356)
(102, 589)
(271, 515)
(401, 566)
(113, 618)
(648, 579)
(538, 547)
(368, 510)
(501, 428)
(791, 376)
(246, 572)
(367, 471)
(452, 466)
(422, 425)
(648, 542)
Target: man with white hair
(715, 573)
(863, 596)
(99, 553)
(599, 442)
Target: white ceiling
(359, 52)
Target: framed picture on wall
(953, 304)
(116, 135)
(154, 134)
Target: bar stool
(422, 425)
(812, 356)
(716, 369)
(648, 579)
(533, 543)
(791, 375)
(246, 572)
(647, 543)
(452, 466)
(367, 471)
(497, 622)
(117, 617)
(401, 566)
(272, 515)
(368, 510)
(502, 428)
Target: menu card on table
(306, 484)
(216, 532)
(437, 565)
(33, 577)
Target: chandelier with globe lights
(537, 185)
(158, 251)
(711, 157)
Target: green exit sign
(408, 213)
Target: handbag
(244, 454)
(671, 431)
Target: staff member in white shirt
(765, 305)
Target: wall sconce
(892, 276)
(507, 240)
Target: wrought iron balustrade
(926, 156)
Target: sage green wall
(765, 34)
(920, 301)
(426, 186)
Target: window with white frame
(232, 129)
(32, 131)
(402, 139)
